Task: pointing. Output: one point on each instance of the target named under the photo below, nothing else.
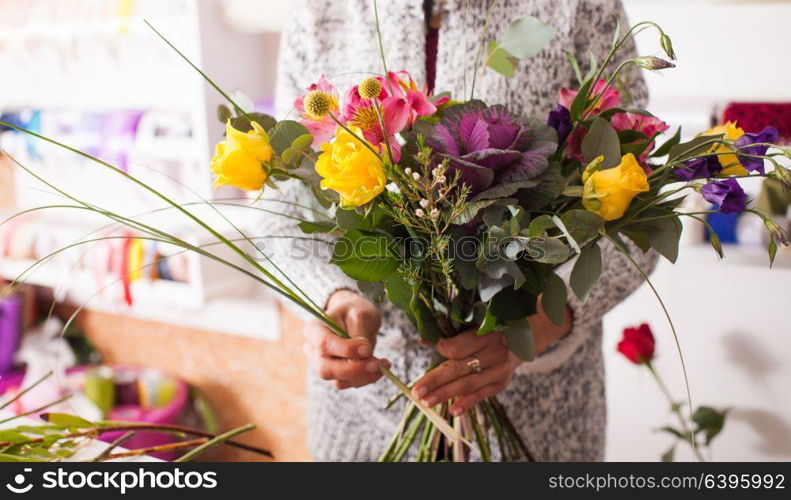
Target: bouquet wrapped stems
(475, 428)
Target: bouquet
(459, 212)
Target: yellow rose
(240, 159)
(350, 169)
(731, 132)
(610, 192)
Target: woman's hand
(457, 376)
(347, 362)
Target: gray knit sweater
(557, 401)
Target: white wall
(732, 317)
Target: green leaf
(583, 226)
(664, 149)
(526, 37)
(709, 421)
(548, 250)
(373, 290)
(488, 324)
(310, 227)
(472, 209)
(575, 66)
(673, 431)
(664, 237)
(669, 454)
(399, 292)
(639, 238)
(66, 420)
(243, 122)
(513, 305)
(294, 152)
(586, 271)
(283, 135)
(519, 338)
(425, 320)
(500, 60)
(553, 301)
(365, 256)
(581, 100)
(692, 149)
(223, 114)
(602, 140)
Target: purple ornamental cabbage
(496, 152)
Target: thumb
(363, 321)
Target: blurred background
(92, 74)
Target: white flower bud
(419, 212)
(408, 171)
(416, 176)
(424, 203)
(434, 213)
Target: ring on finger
(474, 365)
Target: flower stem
(674, 407)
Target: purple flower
(743, 143)
(698, 168)
(560, 120)
(727, 194)
(495, 152)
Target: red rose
(637, 344)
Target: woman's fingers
(468, 385)
(491, 356)
(462, 345)
(346, 372)
(329, 344)
(464, 403)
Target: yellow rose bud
(369, 88)
(350, 169)
(239, 159)
(730, 163)
(610, 192)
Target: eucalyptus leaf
(500, 60)
(519, 338)
(223, 114)
(602, 140)
(526, 37)
(582, 225)
(553, 301)
(586, 271)
(283, 135)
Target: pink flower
(609, 97)
(649, 126)
(400, 104)
(322, 128)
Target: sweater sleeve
(302, 258)
(595, 22)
